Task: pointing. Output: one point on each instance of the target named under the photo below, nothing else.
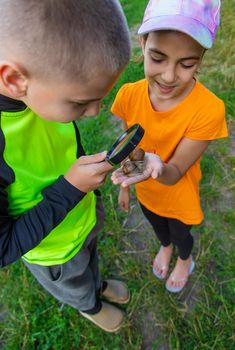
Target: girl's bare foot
(162, 261)
(179, 276)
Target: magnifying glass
(125, 144)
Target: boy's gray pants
(77, 281)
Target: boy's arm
(18, 236)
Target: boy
(59, 59)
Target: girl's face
(171, 60)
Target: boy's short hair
(69, 38)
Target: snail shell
(137, 154)
(128, 167)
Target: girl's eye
(187, 66)
(158, 60)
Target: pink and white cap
(197, 18)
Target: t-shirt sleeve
(118, 107)
(209, 123)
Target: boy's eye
(77, 104)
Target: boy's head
(67, 51)
(197, 18)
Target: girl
(180, 117)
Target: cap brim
(180, 23)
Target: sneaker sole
(100, 326)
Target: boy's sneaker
(109, 318)
(115, 291)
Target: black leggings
(171, 231)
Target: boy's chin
(58, 120)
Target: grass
(200, 318)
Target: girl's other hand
(124, 198)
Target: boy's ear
(13, 79)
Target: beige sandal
(116, 292)
(109, 318)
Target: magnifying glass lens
(125, 144)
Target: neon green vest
(35, 150)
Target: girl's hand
(154, 169)
(124, 198)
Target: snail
(134, 164)
(137, 154)
(128, 167)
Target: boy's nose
(93, 109)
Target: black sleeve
(18, 236)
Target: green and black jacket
(43, 218)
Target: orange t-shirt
(200, 116)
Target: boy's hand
(154, 169)
(124, 198)
(88, 172)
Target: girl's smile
(165, 89)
